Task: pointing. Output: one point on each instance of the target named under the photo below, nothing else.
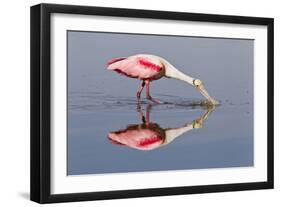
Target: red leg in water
(140, 90)
(139, 109)
(148, 108)
(148, 96)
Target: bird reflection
(149, 135)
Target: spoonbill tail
(149, 68)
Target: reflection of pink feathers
(139, 66)
(143, 139)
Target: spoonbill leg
(148, 96)
(140, 90)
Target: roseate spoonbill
(149, 68)
(149, 136)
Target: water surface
(102, 102)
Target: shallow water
(223, 141)
(109, 132)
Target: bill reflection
(149, 135)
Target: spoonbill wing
(141, 67)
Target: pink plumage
(138, 137)
(142, 67)
(150, 67)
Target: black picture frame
(41, 99)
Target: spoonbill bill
(148, 68)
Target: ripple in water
(90, 100)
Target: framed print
(133, 103)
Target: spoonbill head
(148, 68)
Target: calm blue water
(102, 102)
